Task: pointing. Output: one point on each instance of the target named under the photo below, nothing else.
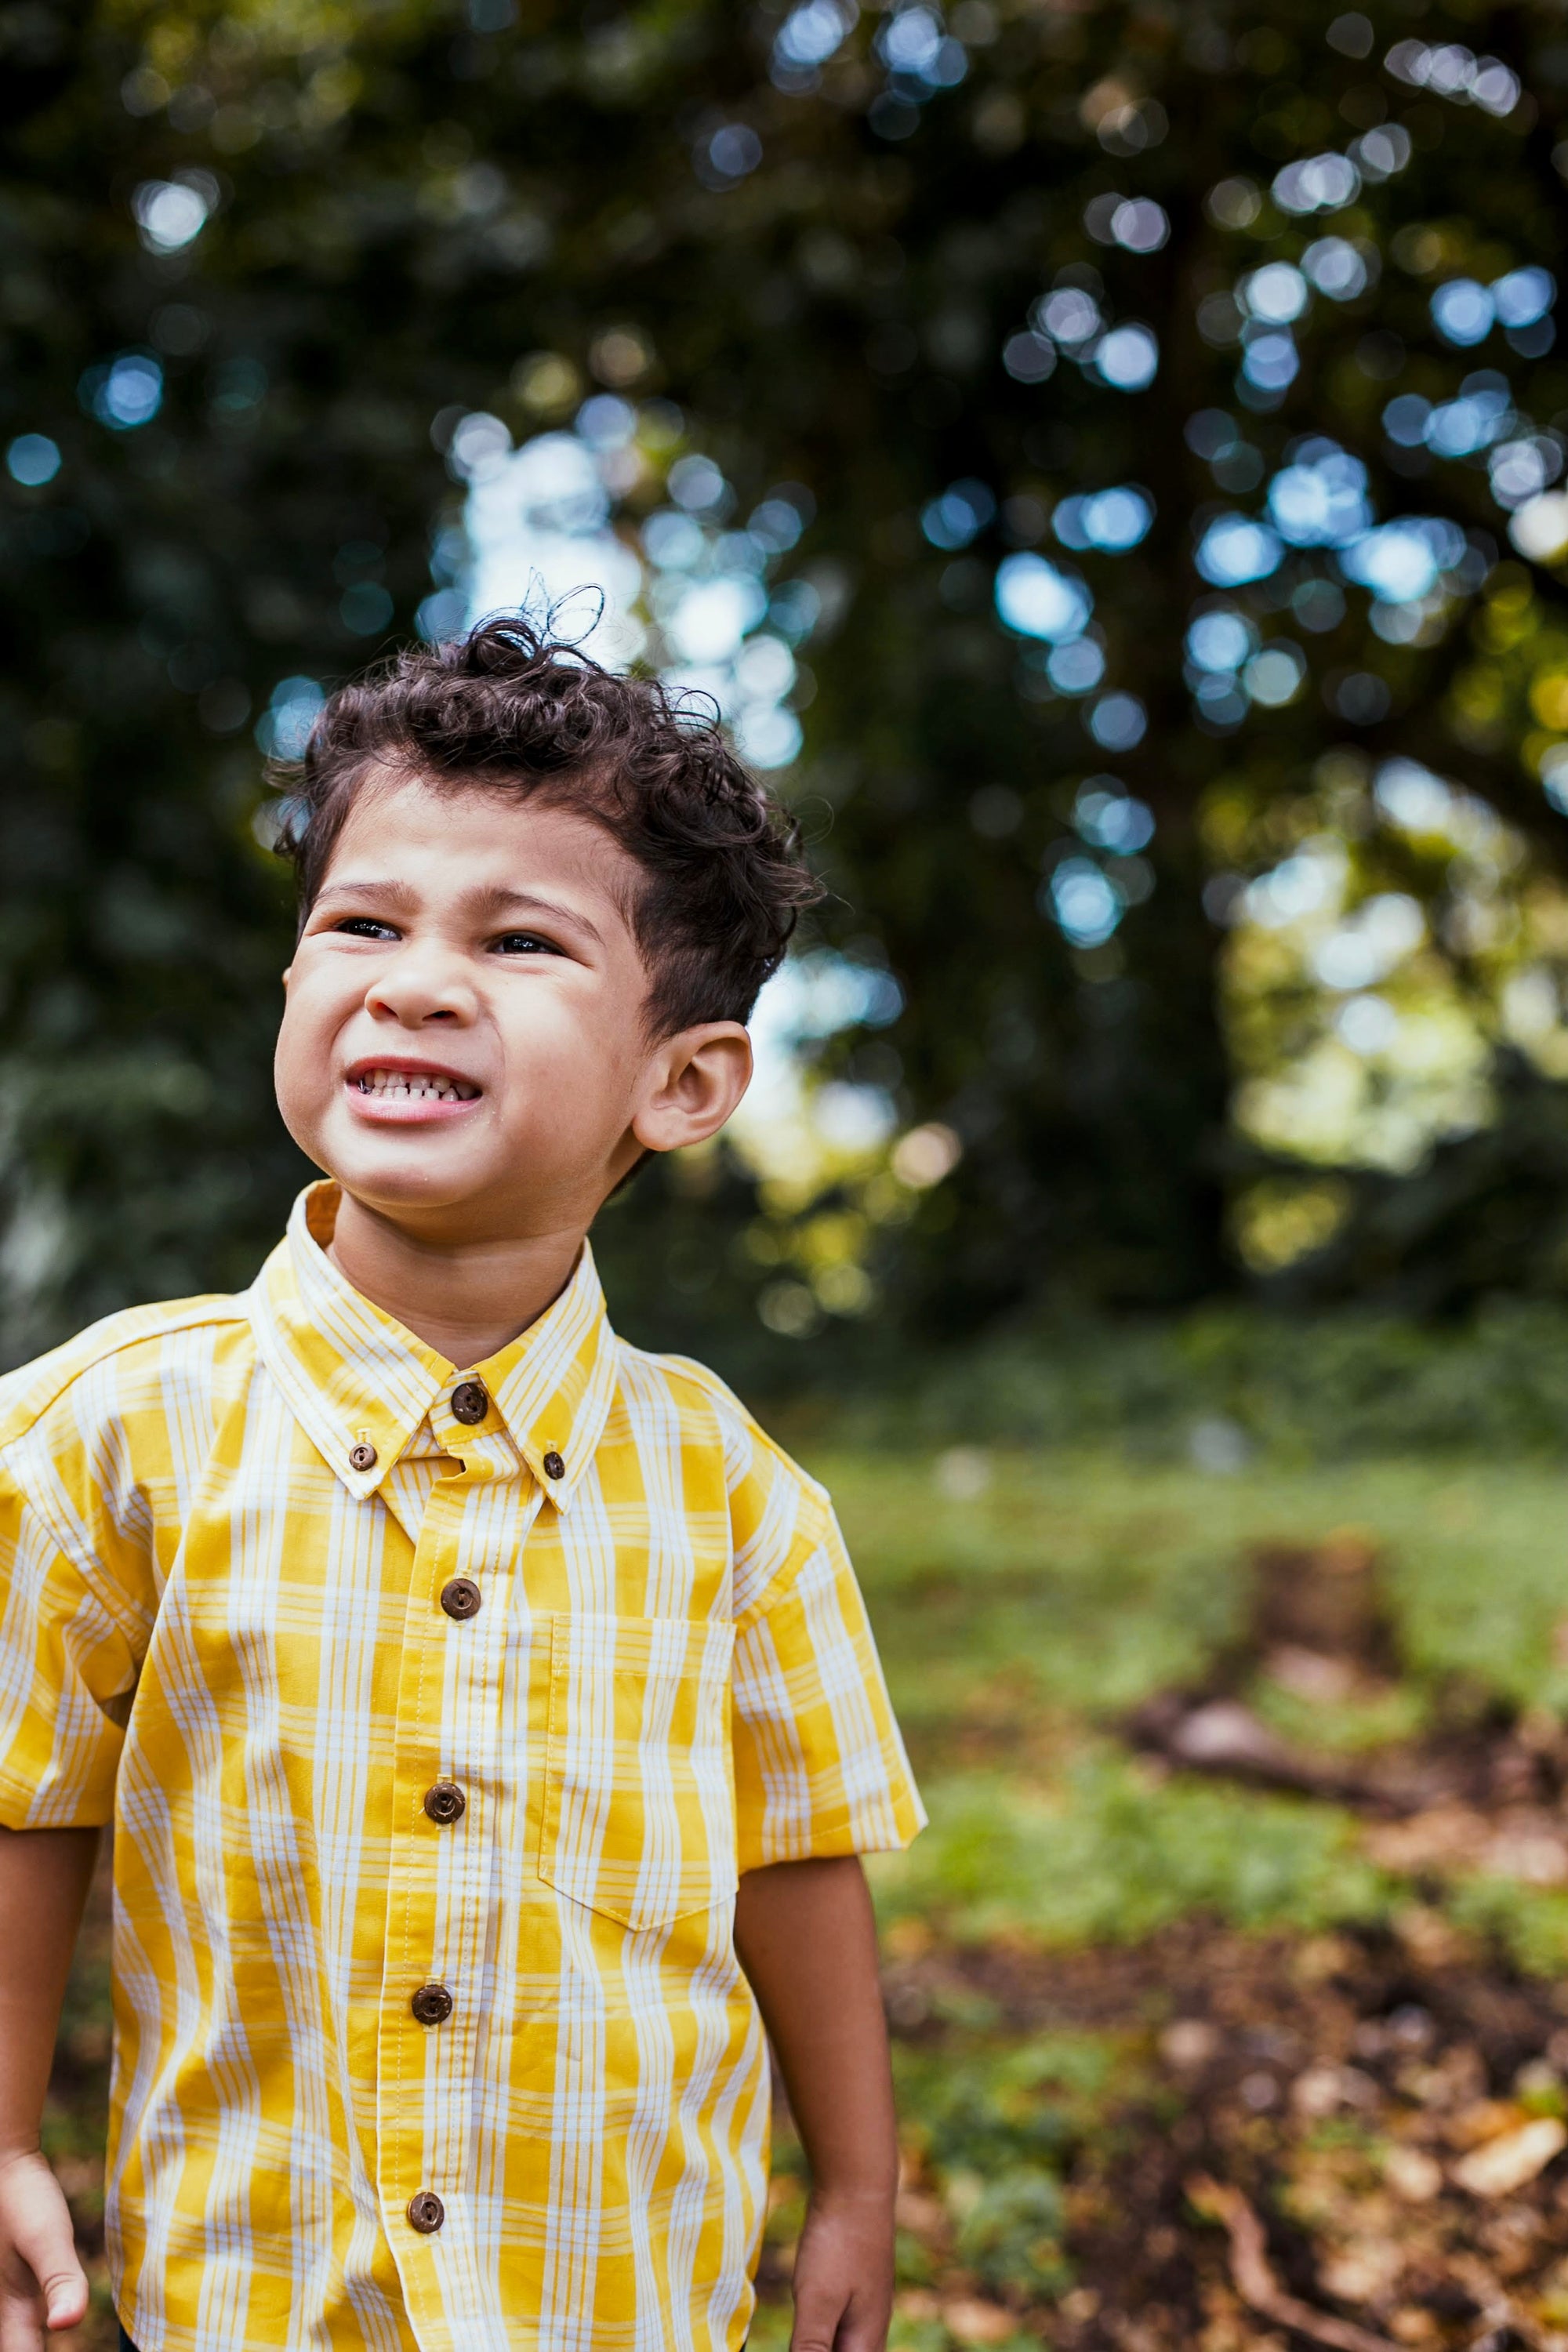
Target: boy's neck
(465, 1299)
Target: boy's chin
(393, 1180)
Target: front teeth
(414, 1086)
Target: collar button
(361, 1457)
(553, 1465)
(469, 1402)
(431, 2004)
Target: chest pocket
(639, 1797)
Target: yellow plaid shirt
(436, 1719)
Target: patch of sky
(1319, 498)
(1379, 155)
(1082, 899)
(1555, 777)
(1219, 640)
(1029, 357)
(1277, 292)
(33, 459)
(1411, 798)
(538, 537)
(958, 515)
(1111, 520)
(1269, 359)
(914, 46)
(783, 1124)
(1370, 943)
(123, 393)
(809, 36)
(1276, 674)
(725, 157)
(1522, 469)
(1307, 883)
(1139, 225)
(1452, 71)
(1117, 721)
(1234, 550)
(284, 728)
(1367, 1024)
(1317, 184)
(1463, 311)
(1069, 315)
(1401, 560)
(171, 214)
(1106, 813)
(1482, 412)
(1076, 668)
(1523, 296)
(1037, 600)
(1128, 358)
(1336, 269)
(671, 541)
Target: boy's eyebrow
(494, 901)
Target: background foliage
(1195, 964)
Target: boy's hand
(843, 2274)
(42, 2285)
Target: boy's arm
(805, 1937)
(44, 1877)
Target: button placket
(450, 1690)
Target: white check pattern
(219, 1634)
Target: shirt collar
(356, 1378)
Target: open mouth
(401, 1092)
(412, 1086)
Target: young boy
(485, 1710)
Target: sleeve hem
(22, 1808)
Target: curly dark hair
(509, 709)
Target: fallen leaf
(1362, 2273)
(1483, 2119)
(1412, 2174)
(1189, 2042)
(1500, 2166)
(973, 2322)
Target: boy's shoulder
(28, 1393)
(750, 1451)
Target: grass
(1086, 1580)
(1020, 1618)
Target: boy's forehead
(444, 837)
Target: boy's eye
(524, 943)
(366, 926)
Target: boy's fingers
(47, 2244)
(64, 2301)
(817, 2317)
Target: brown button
(469, 1401)
(425, 2212)
(431, 2004)
(553, 1465)
(461, 1597)
(361, 1457)
(446, 1801)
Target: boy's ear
(693, 1082)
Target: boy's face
(463, 1044)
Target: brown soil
(1341, 2084)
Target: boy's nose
(418, 992)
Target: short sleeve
(68, 1669)
(820, 1766)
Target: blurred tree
(1165, 381)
